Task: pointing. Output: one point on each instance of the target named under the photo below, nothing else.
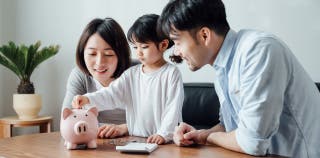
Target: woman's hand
(112, 131)
(156, 139)
(79, 101)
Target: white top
(153, 101)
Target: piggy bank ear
(66, 112)
(94, 110)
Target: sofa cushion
(318, 85)
(201, 105)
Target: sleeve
(172, 115)
(75, 86)
(217, 88)
(221, 119)
(116, 95)
(263, 77)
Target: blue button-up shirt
(266, 96)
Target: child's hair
(144, 30)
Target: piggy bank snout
(81, 127)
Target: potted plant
(22, 60)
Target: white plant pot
(27, 106)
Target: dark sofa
(201, 105)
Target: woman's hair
(113, 34)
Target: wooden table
(50, 145)
(7, 124)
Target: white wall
(7, 79)
(1, 20)
(61, 22)
(296, 22)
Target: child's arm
(79, 101)
(156, 139)
(117, 95)
(171, 116)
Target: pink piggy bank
(79, 126)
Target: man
(269, 104)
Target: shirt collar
(225, 50)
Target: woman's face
(100, 59)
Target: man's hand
(185, 135)
(112, 131)
(156, 139)
(178, 135)
(79, 101)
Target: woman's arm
(112, 131)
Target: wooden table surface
(50, 145)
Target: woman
(102, 55)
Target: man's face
(190, 50)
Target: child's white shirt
(153, 101)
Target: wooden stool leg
(45, 128)
(5, 131)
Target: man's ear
(163, 45)
(204, 35)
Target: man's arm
(225, 139)
(185, 134)
(217, 128)
(200, 136)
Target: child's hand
(79, 101)
(112, 131)
(156, 139)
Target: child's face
(148, 53)
(100, 59)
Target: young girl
(151, 92)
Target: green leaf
(41, 56)
(22, 60)
(31, 53)
(8, 57)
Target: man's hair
(144, 30)
(113, 34)
(191, 15)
